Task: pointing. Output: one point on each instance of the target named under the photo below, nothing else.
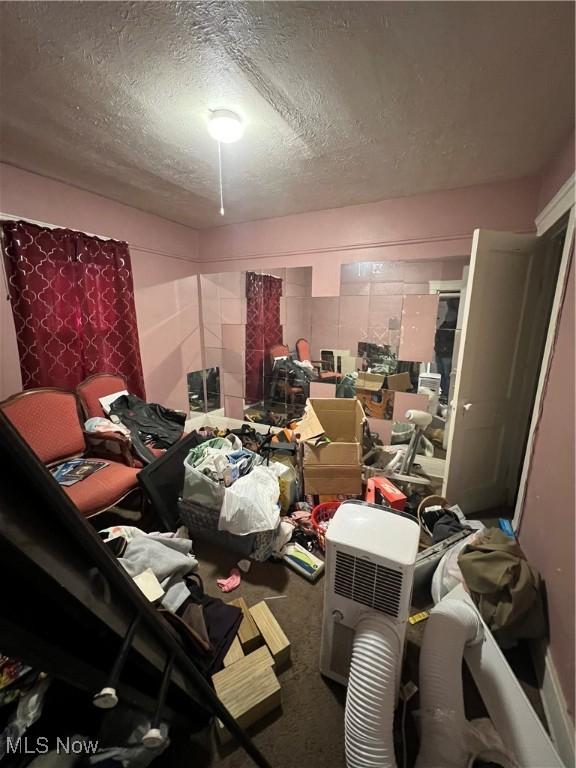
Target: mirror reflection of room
(444, 341)
(390, 315)
(388, 340)
(204, 390)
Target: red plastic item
(380, 490)
(321, 514)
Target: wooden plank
(235, 653)
(271, 631)
(248, 633)
(261, 657)
(248, 691)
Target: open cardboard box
(332, 467)
(370, 381)
(338, 419)
(378, 403)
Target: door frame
(560, 204)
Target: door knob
(467, 406)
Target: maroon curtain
(73, 305)
(263, 328)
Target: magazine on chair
(71, 472)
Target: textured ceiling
(343, 102)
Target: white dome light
(225, 126)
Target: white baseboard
(559, 721)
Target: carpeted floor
(309, 729)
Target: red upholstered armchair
(100, 385)
(49, 420)
(303, 352)
(94, 387)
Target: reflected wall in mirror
(204, 390)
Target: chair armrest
(109, 445)
(317, 365)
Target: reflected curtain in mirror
(73, 304)
(263, 328)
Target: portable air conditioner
(370, 557)
(430, 381)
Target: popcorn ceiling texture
(344, 103)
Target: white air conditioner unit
(370, 556)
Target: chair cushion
(92, 389)
(48, 421)
(104, 488)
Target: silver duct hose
(452, 625)
(371, 695)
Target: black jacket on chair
(148, 423)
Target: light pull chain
(220, 176)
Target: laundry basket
(321, 515)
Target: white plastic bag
(251, 504)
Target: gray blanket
(170, 560)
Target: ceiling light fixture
(225, 127)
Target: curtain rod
(16, 217)
(12, 217)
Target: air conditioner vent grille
(365, 582)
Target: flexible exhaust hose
(452, 625)
(371, 695)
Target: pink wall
(547, 528)
(558, 171)
(164, 269)
(432, 226)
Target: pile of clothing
(205, 625)
(149, 425)
(289, 371)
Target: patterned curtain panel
(73, 305)
(263, 329)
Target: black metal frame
(46, 541)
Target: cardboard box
(334, 467)
(370, 381)
(377, 405)
(341, 421)
(333, 480)
(399, 382)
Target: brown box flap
(370, 381)
(399, 382)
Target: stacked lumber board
(247, 685)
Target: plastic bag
(202, 490)
(27, 713)
(201, 462)
(251, 504)
(286, 475)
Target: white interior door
(483, 408)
